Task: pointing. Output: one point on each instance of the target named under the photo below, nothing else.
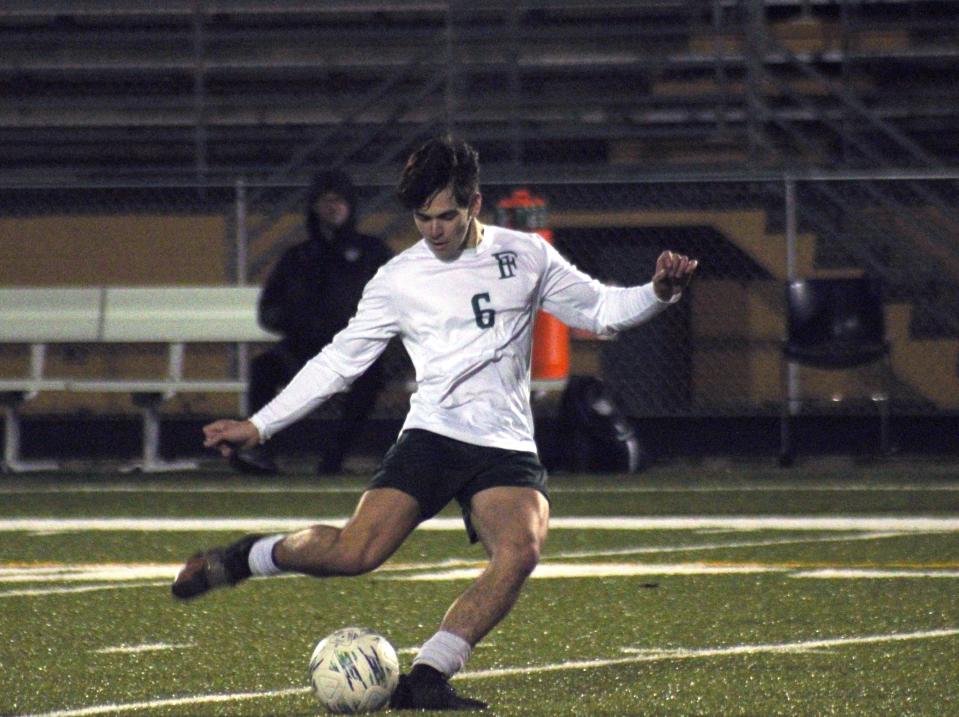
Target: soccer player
(463, 300)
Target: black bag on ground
(593, 433)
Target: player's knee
(358, 558)
(523, 557)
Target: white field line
(146, 647)
(121, 707)
(645, 550)
(763, 487)
(38, 592)
(279, 488)
(543, 571)
(946, 487)
(644, 655)
(122, 572)
(546, 571)
(549, 571)
(86, 572)
(873, 573)
(906, 524)
(184, 489)
(655, 549)
(110, 576)
(90, 572)
(571, 571)
(639, 657)
(134, 574)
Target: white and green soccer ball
(354, 670)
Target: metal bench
(175, 316)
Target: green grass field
(729, 589)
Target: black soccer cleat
(214, 568)
(427, 689)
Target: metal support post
(793, 386)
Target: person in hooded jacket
(309, 296)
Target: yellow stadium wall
(162, 249)
(128, 250)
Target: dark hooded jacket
(314, 288)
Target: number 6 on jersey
(485, 318)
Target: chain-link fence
(718, 352)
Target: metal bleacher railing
(42, 317)
(768, 138)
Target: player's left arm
(580, 301)
(673, 273)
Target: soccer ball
(353, 670)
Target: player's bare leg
(512, 524)
(383, 519)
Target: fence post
(792, 369)
(240, 259)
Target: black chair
(833, 324)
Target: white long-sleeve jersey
(467, 325)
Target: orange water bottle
(523, 210)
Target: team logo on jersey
(507, 264)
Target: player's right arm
(343, 360)
(227, 435)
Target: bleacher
(220, 90)
(767, 137)
(170, 316)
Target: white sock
(445, 652)
(261, 556)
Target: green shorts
(435, 469)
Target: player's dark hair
(439, 163)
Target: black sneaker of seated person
(254, 461)
(425, 688)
